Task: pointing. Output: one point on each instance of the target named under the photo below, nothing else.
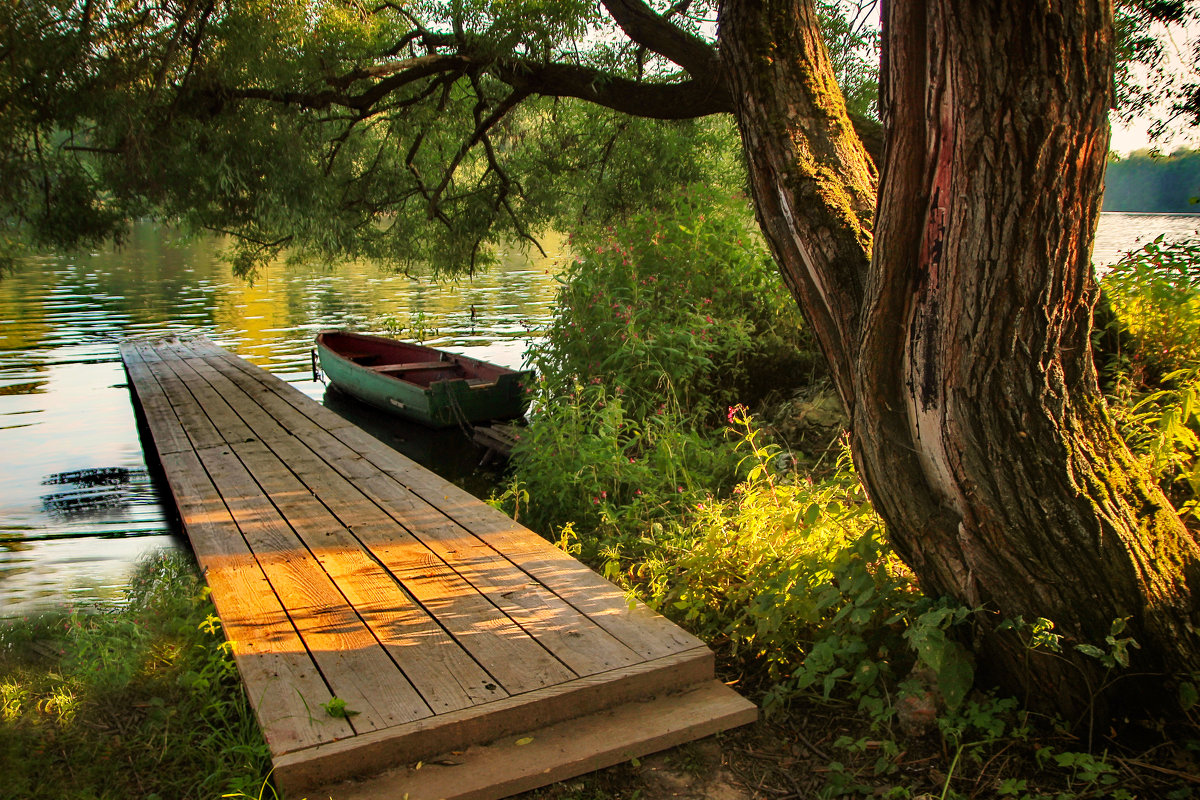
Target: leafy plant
(1155, 292)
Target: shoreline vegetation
(685, 443)
(1150, 182)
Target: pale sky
(1178, 50)
(1125, 140)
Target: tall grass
(1155, 398)
(143, 701)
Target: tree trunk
(962, 349)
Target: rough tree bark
(961, 346)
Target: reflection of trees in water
(88, 490)
(27, 387)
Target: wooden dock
(474, 659)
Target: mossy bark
(961, 345)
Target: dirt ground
(797, 755)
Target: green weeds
(140, 702)
(1155, 397)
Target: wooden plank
(513, 657)
(424, 739)
(571, 636)
(352, 661)
(165, 428)
(445, 676)
(284, 686)
(558, 752)
(200, 429)
(516, 662)
(638, 627)
(224, 421)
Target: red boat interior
(412, 363)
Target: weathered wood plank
(518, 662)
(571, 636)
(638, 627)
(284, 686)
(513, 657)
(200, 429)
(352, 660)
(167, 431)
(446, 677)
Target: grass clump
(143, 701)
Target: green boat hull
(441, 390)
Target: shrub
(1155, 293)
(662, 323)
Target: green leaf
(1188, 695)
(336, 707)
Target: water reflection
(77, 506)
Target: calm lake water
(77, 507)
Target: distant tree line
(1146, 181)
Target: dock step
(534, 758)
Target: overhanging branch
(652, 31)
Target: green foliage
(1155, 293)
(330, 128)
(336, 707)
(851, 34)
(663, 321)
(681, 305)
(1156, 78)
(946, 658)
(140, 702)
(415, 132)
(642, 458)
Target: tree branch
(482, 126)
(643, 26)
(683, 100)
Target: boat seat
(362, 359)
(413, 366)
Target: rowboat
(427, 385)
